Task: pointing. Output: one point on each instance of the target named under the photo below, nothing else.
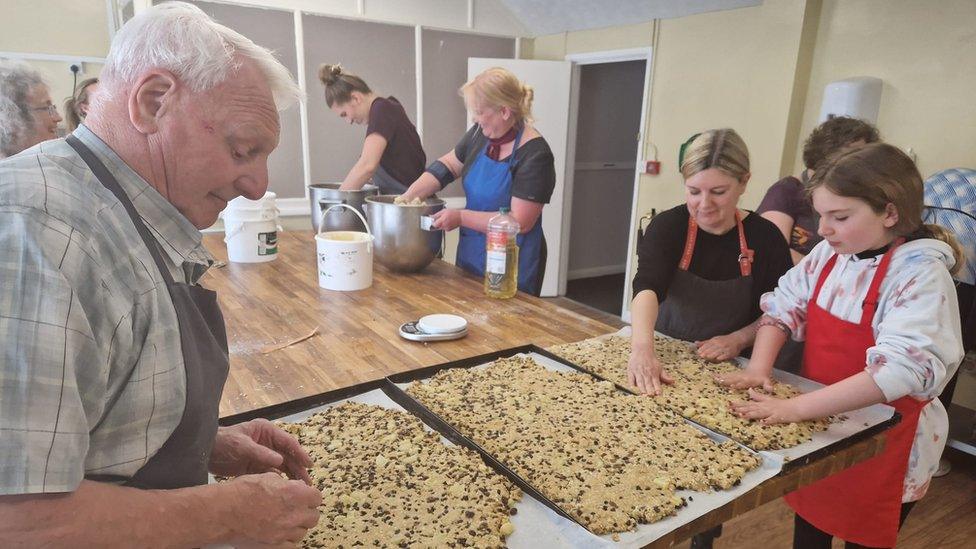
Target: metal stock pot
(325, 195)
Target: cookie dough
(610, 459)
(695, 394)
(387, 482)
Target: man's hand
(272, 511)
(646, 373)
(769, 409)
(257, 446)
(719, 348)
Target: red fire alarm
(653, 167)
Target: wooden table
(269, 303)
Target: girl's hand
(719, 348)
(447, 219)
(745, 379)
(768, 409)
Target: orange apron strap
(745, 254)
(689, 243)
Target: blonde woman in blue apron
(392, 155)
(702, 266)
(504, 162)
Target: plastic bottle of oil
(501, 250)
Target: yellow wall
(726, 69)
(925, 53)
(56, 27)
(762, 70)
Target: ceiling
(541, 17)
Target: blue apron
(488, 187)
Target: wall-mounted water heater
(858, 97)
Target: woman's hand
(447, 219)
(746, 379)
(719, 348)
(769, 409)
(645, 372)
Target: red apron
(860, 504)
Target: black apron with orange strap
(861, 504)
(697, 309)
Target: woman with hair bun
(392, 154)
(505, 162)
(76, 106)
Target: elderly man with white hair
(27, 115)
(112, 357)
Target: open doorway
(611, 99)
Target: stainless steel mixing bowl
(402, 244)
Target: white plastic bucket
(345, 258)
(251, 229)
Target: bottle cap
(503, 210)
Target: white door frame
(594, 58)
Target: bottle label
(497, 240)
(496, 262)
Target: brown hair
(881, 174)
(722, 149)
(340, 85)
(497, 87)
(72, 112)
(833, 135)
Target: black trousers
(808, 536)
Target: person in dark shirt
(703, 265)
(393, 155)
(505, 162)
(786, 203)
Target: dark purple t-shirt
(404, 157)
(788, 196)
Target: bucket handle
(369, 247)
(324, 201)
(236, 231)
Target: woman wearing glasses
(27, 115)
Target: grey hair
(17, 79)
(202, 53)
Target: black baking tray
(787, 465)
(283, 409)
(414, 408)
(449, 432)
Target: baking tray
(574, 534)
(536, 518)
(857, 426)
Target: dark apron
(697, 309)
(386, 182)
(183, 459)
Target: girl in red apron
(876, 305)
